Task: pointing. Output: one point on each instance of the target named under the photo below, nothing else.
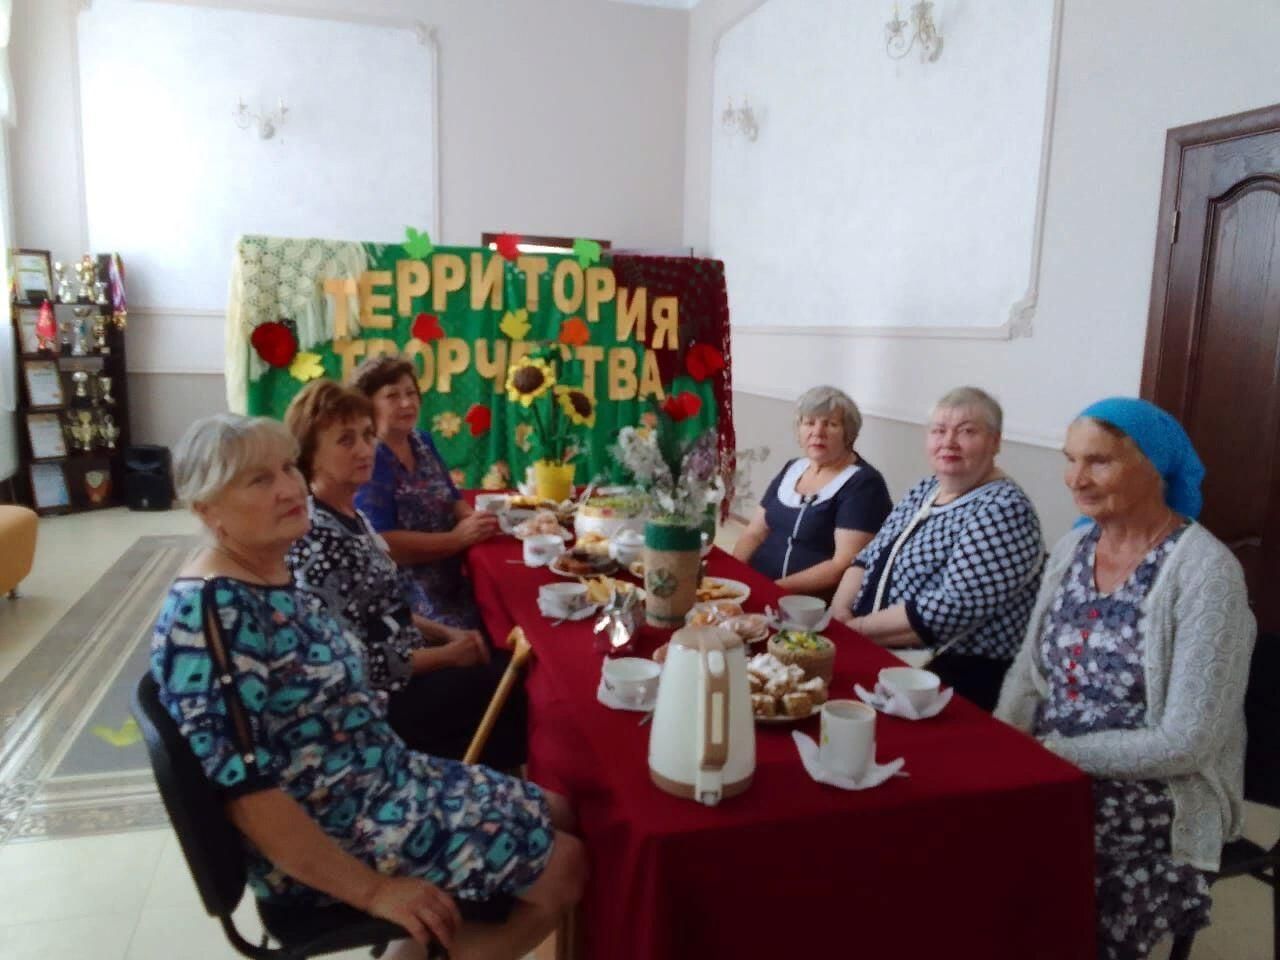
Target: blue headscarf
(1161, 438)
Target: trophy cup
(100, 293)
(86, 277)
(108, 431)
(82, 430)
(81, 379)
(100, 334)
(104, 391)
(65, 293)
(80, 333)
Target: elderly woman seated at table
(1134, 669)
(823, 507)
(440, 678)
(957, 563)
(269, 689)
(411, 500)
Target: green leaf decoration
(417, 245)
(587, 252)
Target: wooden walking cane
(520, 651)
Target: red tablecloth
(986, 850)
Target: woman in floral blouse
(268, 688)
(1134, 669)
(440, 678)
(411, 500)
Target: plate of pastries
(579, 562)
(780, 692)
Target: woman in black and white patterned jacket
(439, 678)
(957, 564)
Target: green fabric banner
(463, 316)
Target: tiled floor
(130, 896)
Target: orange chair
(17, 546)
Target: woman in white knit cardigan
(1134, 669)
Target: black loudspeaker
(148, 484)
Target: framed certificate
(32, 275)
(44, 383)
(44, 430)
(49, 486)
(28, 341)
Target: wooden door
(1213, 335)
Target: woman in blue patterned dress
(411, 500)
(1134, 669)
(269, 690)
(958, 561)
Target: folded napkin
(896, 705)
(877, 773)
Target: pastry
(763, 705)
(797, 704)
(594, 543)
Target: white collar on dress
(787, 495)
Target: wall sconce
(267, 123)
(923, 31)
(740, 119)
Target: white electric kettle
(702, 743)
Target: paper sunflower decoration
(577, 406)
(528, 379)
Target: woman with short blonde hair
(822, 508)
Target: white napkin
(896, 705)
(877, 773)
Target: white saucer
(588, 611)
(613, 703)
(775, 617)
(879, 701)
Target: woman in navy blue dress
(823, 507)
(413, 503)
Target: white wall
(556, 116)
(879, 192)
(1128, 72)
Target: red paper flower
(426, 327)
(703, 361)
(508, 245)
(681, 406)
(275, 343)
(574, 332)
(479, 418)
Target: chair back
(213, 847)
(1262, 718)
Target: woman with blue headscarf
(1134, 669)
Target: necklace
(244, 564)
(1170, 522)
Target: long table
(985, 850)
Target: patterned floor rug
(71, 757)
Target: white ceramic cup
(626, 546)
(492, 502)
(542, 548)
(633, 680)
(806, 611)
(562, 599)
(918, 687)
(848, 745)
(512, 517)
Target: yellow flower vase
(552, 480)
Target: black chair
(215, 854)
(1261, 785)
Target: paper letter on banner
(622, 373)
(590, 355)
(632, 306)
(416, 350)
(601, 287)
(412, 280)
(350, 351)
(492, 367)
(486, 281)
(666, 321)
(448, 274)
(567, 270)
(369, 301)
(453, 356)
(340, 288)
(650, 380)
(533, 268)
